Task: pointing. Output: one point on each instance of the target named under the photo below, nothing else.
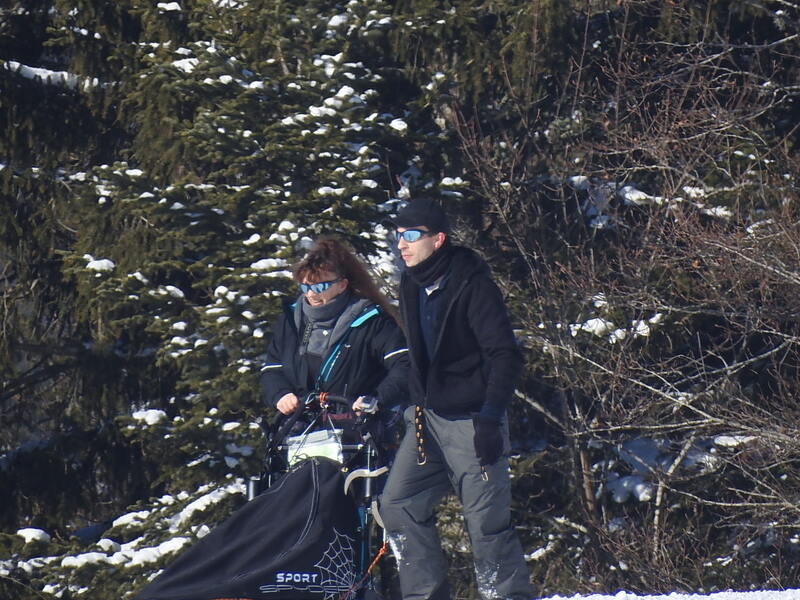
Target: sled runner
(307, 534)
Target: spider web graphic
(337, 567)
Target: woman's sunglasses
(318, 287)
(411, 235)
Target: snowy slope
(759, 595)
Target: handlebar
(318, 403)
(325, 398)
(282, 424)
(322, 398)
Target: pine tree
(56, 382)
(628, 169)
(228, 157)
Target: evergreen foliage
(170, 260)
(629, 169)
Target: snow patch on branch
(31, 534)
(164, 7)
(49, 77)
(151, 416)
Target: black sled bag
(295, 541)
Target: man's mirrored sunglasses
(318, 287)
(411, 235)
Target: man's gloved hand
(488, 440)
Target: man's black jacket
(476, 362)
(369, 359)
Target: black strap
(281, 427)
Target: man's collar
(435, 285)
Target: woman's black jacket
(369, 359)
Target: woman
(339, 336)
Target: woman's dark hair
(330, 254)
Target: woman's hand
(367, 404)
(288, 403)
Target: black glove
(488, 440)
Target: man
(464, 367)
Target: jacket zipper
(333, 356)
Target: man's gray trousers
(412, 492)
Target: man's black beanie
(423, 212)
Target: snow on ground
(759, 595)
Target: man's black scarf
(432, 268)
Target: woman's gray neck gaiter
(319, 322)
